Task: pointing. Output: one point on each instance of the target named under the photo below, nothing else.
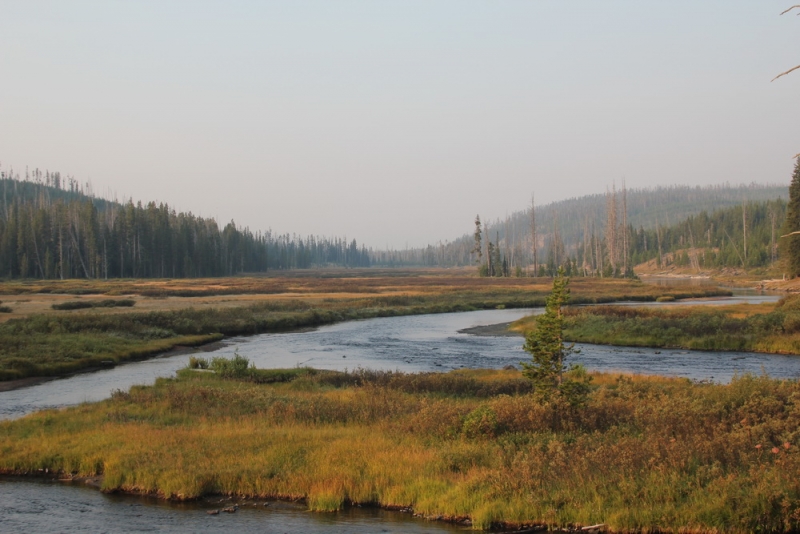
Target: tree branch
(791, 8)
(792, 233)
(785, 73)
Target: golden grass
(645, 453)
(30, 297)
(769, 327)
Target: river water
(410, 344)
(414, 343)
(34, 506)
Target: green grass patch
(56, 344)
(696, 327)
(85, 304)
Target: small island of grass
(643, 453)
(769, 328)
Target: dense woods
(607, 235)
(54, 227)
(789, 244)
(742, 236)
(51, 227)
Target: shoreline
(492, 330)
(177, 350)
(334, 317)
(213, 503)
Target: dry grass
(30, 297)
(644, 454)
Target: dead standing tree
(784, 73)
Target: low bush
(85, 304)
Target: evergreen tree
(545, 343)
(790, 242)
(478, 248)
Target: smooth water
(34, 506)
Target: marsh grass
(59, 343)
(645, 453)
(84, 304)
(765, 328)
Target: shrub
(236, 367)
(83, 304)
(196, 362)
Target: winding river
(413, 343)
(410, 344)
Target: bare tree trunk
(611, 227)
(78, 252)
(658, 236)
(693, 255)
(734, 248)
(772, 240)
(744, 228)
(61, 249)
(624, 229)
(488, 255)
(534, 242)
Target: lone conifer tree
(548, 352)
(478, 248)
(790, 241)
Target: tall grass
(724, 328)
(643, 454)
(57, 344)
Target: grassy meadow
(644, 454)
(772, 328)
(60, 334)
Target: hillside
(572, 223)
(54, 228)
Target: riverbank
(645, 453)
(766, 328)
(58, 343)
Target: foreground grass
(757, 328)
(644, 454)
(58, 343)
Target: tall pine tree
(790, 242)
(545, 343)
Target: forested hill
(738, 236)
(572, 223)
(51, 228)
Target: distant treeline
(50, 228)
(741, 236)
(576, 233)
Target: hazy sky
(395, 122)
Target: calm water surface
(418, 343)
(34, 506)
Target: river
(34, 506)
(410, 344)
(413, 343)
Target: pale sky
(395, 122)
